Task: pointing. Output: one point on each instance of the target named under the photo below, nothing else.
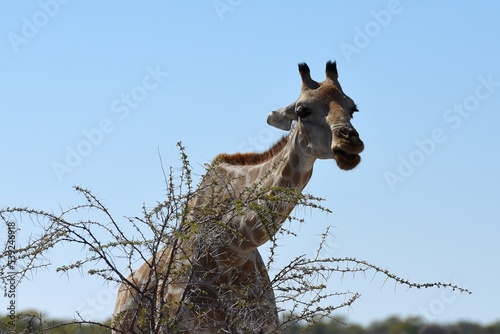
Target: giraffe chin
(345, 160)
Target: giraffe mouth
(346, 160)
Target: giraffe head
(323, 116)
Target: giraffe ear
(283, 118)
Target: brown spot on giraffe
(287, 171)
(306, 177)
(295, 161)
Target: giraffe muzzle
(347, 147)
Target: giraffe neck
(288, 171)
(294, 167)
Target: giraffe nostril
(347, 132)
(343, 133)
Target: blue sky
(92, 92)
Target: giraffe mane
(252, 158)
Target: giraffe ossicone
(213, 279)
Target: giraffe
(221, 284)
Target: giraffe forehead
(324, 94)
(329, 92)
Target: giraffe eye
(303, 112)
